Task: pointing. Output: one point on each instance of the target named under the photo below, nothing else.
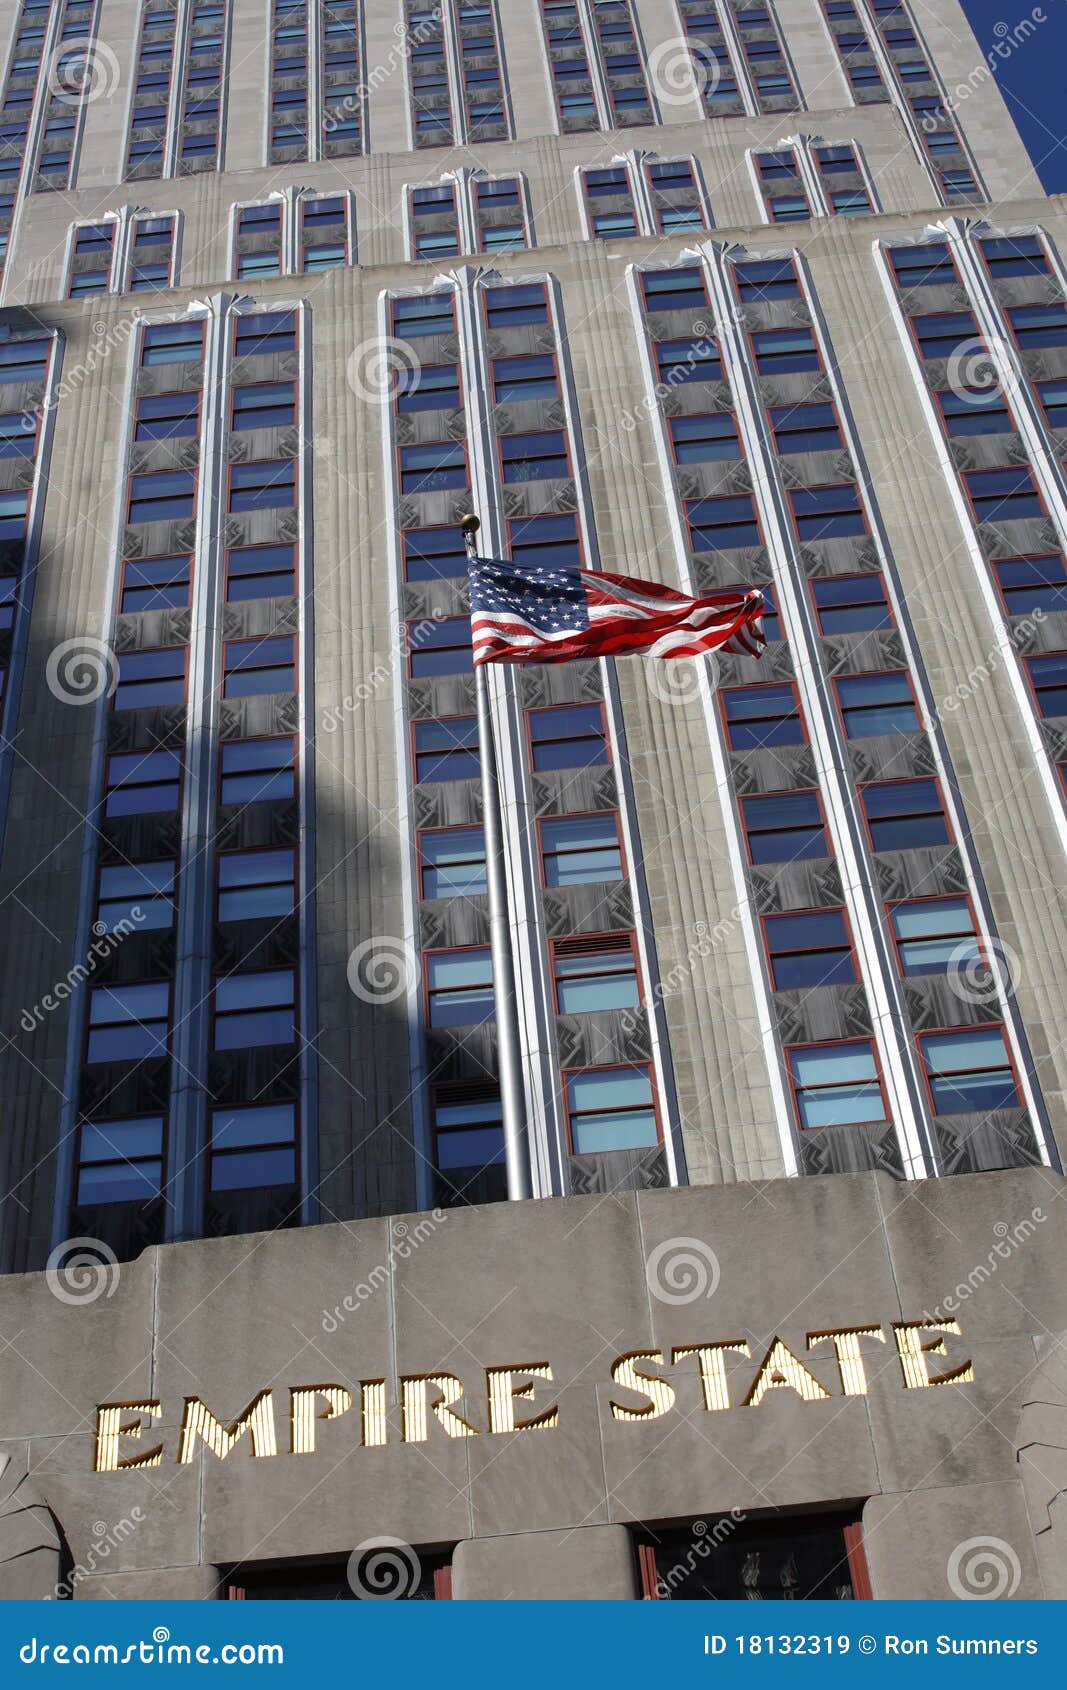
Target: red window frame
(399, 450)
(496, 358)
(422, 832)
(650, 305)
(871, 1042)
(255, 739)
(156, 557)
(415, 753)
(186, 322)
(970, 1027)
(244, 316)
(522, 434)
(109, 787)
(852, 1532)
(928, 898)
(906, 780)
(808, 950)
(853, 575)
(247, 639)
(939, 394)
(787, 792)
(1020, 557)
(428, 993)
(704, 499)
(410, 650)
(163, 1055)
(869, 674)
(760, 686)
(625, 939)
(251, 851)
(143, 651)
(693, 416)
(1002, 469)
(219, 975)
(964, 310)
(574, 816)
(776, 328)
(550, 318)
(263, 463)
(516, 522)
(584, 704)
(241, 386)
(1035, 691)
(259, 545)
(606, 1068)
(815, 487)
(194, 472)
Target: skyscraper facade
(710, 293)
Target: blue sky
(1032, 80)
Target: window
(836, 161)
(545, 542)
(975, 410)
(805, 428)
(931, 933)
(459, 987)
(120, 1161)
(784, 827)
(468, 1126)
(679, 219)
(173, 343)
(687, 360)
(789, 208)
(771, 166)
(265, 333)
(828, 513)
(429, 387)
(447, 749)
(433, 554)
(258, 666)
(851, 202)
(267, 405)
(1032, 583)
(1052, 395)
(143, 783)
(1018, 255)
(452, 862)
(260, 572)
(141, 894)
(673, 290)
(567, 736)
(595, 971)
(502, 237)
(148, 679)
(923, 266)
(1002, 495)
(809, 948)
(611, 1109)
(722, 523)
(253, 1147)
(257, 770)
(86, 283)
(255, 1009)
(851, 604)
(1039, 325)
(513, 307)
(518, 379)
(440, 646)
(155, 583)
(817, 1558)
(166, 496)
(534, 457)
(1048, 677)
(904, 814)
(576, 850)
(760, 717)
(8, 600)
(836, 1085)
(128, 1023)
(785, 351)
(698, 440)
(18, 435)
(255, 885)
(615, 225)
(877, 704)
(13, 509)
(263, 486)
(945, 332)
(766, 279)
(433, 468)
(969, 1071)
(167, 416)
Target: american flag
(521, 615)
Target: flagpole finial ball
(470, 524)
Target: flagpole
(509, 1061)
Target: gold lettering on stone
(846, 1344)
(660, 1395)
(782, 1370)
(713, 1369)
(414, 1404)
(199, 1422)
(303, 1414)
(507, 1385)
(372, 1412)
(112, 1423)
(913, 1349)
